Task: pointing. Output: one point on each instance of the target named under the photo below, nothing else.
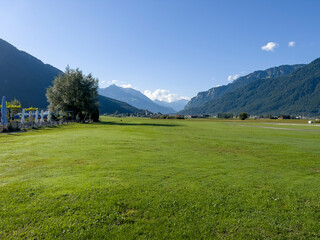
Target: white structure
(49, 116)
(36, 120)
(41, 115)
(22, 117)
(30, 116)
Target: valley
(142, 178)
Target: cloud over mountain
(104, 84)
(164, 95)
(233, 77)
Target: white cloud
(270, 46)
(164, 95)
(233, 77)
(103, 84)
(291, 43)
(126, 85)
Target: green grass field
(163, 179)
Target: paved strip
(294, 124)
(292, 129)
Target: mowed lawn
(131, 178)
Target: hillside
(24, 77)
(216, 92)
(109, 106)
(134, 98)
(295, 94)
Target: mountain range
(26, 78)
(217, 92)
(109, 105)
(290, 90)
(134, 98)
(176, 105)
(287, 89)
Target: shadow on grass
(48, 127)
(138, 124)
(34, 130)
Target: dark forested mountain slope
(24, 77)
(297, 93)
(216, 92)
(109, 105)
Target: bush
(12, 127)
(243, 116)
(225, 115)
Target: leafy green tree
(15, 107)
(74, 91)
(243, 115)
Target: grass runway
(132, 178)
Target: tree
(243, 116)
(74, 91)
(14, 106)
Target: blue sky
(181, 46)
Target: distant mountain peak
(176, 105)
(316, 61)
(134, 98)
